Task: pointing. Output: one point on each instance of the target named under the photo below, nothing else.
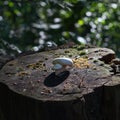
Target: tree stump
(90, 90)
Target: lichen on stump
(29, 85)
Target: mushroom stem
(58, 71)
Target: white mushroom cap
(63, 61)
(57, 66)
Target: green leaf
(11, 4)
(81, 22)
(72, 1)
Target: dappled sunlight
(35, 25)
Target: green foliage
(34, 25)
(104, 22)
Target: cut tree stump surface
(32, 75)
(90, 90)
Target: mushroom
(60, 64)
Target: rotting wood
(31, 90)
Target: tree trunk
(30, 90)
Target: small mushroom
(60, 64)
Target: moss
(23, 73)
(94, 68)
(101, 63)
(86, 56)
(81, 47)
(75, 46)
(82, 53)
(37, 65)
(98, 62)
(19, 69)
(95, 61)
(56, 54)
(30, 66)
(67, 51)
(70, 55)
